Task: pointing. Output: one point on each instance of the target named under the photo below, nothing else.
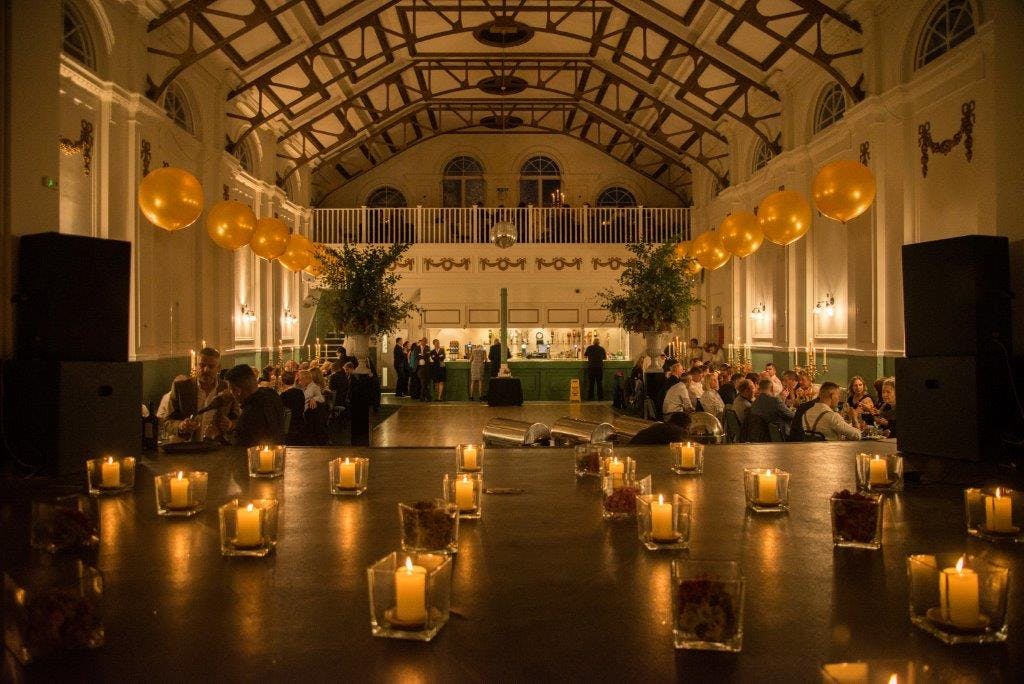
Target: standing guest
(596, 355)
(807, 390)
(673, 429)
(400, 363)
(744, 399)
(712, 353)
(423, 369)
(885, 417)
(413, 355)
(339, 384)
(711, 400)
(192, 395)
(693, 351)
(771, 407)
(769, 369)
(789, 389)
(293, 398)
(494, 356)
(727, 388)
(438, 371)
(858, 403)
(823, 419)
(477, 358)
(636, 377)
(262, 416)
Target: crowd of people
(421, 372)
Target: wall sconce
(759, 312)
(248, 315)
(287, 317)
(826, 306)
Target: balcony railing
(548, 225)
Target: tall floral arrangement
(655, 292)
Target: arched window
(616, 197)
(77, 43)
(463, 183)
(177, 108)
(762, 155)
(950, 24)
(540, 183)
(386, 198)
(243, 153)
(831, 107)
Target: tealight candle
(661, 520)
(999, 512)
(464, 495)
(616, 469)
(347, 474)
(879, 471)
(767, 488)
(179, 491)
(469, 457)
(110, 473)
(411, 594)
(958, 595)
(248, 530)
(267, 459)
(688, 455)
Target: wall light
(826, 306)
(248, 315)
(287, 317)
(759, 312)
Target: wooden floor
(441, 424)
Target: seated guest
(673, 429)
(710, 399)
(877, 396)
(672, 377)
(266, 377)
(744, 398)
(789, 389)
(754, 378)
(198, 405)
(695, 384)
(885, 415)
(859, 405)
(771, 373)
(770, 407)
(164, 409)
(677, 396)
(796, 426)
(727, 388)
(293, 399)
(262, 418)
(712, 353)
(806, 390)
(823, 419)
(291, 365)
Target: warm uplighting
(826, 306)
(759, 312)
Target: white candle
(192, 360)
(248, 527)
(767, 489)
(879, 471)
(824, 356)
(469, 457)
(347, 474)
(688, 455)
(464, 497)
(616, 469)
(110, 473)
(179, 491)
(999, 512)
(661, 520)
(266, 462)
(958, 595)
(411, 594)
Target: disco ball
(503, 234)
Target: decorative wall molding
(405, 264)
(146, 154)
(446, 264)
(865, 152)
(559, 263)
(83, 145)
(503, 263)
(965, 134)
(611, 263)
(226, 193)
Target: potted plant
(655, 293)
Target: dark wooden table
(504, 392)
(542, 586)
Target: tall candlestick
(958, 595)
(411, 593)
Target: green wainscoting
(841, 366)
(542, 380)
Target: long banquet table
(543, 588)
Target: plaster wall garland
(965, 134)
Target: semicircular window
(762, 155)
(540, 183)
(77, 42)
(177, 108)
(616, 196)
(244, 156)
(462, 184)
(950, 24)
(386, 197)
(831, 107)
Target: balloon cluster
(172, 199)
(842, 191)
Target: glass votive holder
(664, 525)
(266, 461)
(430, 526)
(110, 475)
(880, 472)
(410, 595)
(248, 528)
(995, 514)
(469, 458)
(619, 496)
(589, 456)
(349, 475)
(52, 609)
(707, 601)
(65, 523)
(613, 466)
(687, 458)
(464, 490)
(878, 672)
(180, 494)
(856, 519)
(959, 599)
(767, 489)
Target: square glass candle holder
(664, 524)
(410, 595)
(619, 496)
(959, 599)
(612, 466)
(767, 489)
(110, 475)
(707, 605)
(995, 514)
(687, 458)
(589, 456)
(65, 523)
(266, 461)
(52, 609)
(469, 458)
(877, 672)
(180, 494)
(856, 519)
(430, 526)
(349, 476)
(880, 472)
(248, 528)
(464, 490)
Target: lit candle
(767, 489)
(266, 464)
(248, 526)
(110, 473)
(661, 520)
(958, 595)
(347, 474)
(204, 344)
(464, 498)
(411, 594)
(879, 471)
(824, 356)
(179, 491)
(687, 455)
(192, 360)
(616, 468)
(999, 512)
(469, 457)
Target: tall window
(177, 108)
(77, 43)
(762, 155)
(950, 24)
(386, 198)
(540, 182)
(831, 107)
(463, 183)
(616, 197)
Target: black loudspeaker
(953, 406)
(72, 298)
(57, 415)
(956, 296)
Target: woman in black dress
(438, 372)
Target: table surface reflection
(542, 586)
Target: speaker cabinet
(58, 415)
(72, 298)
(953, 406)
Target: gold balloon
(230, 224)
(316, 264)
(843, 190)
(709, 251)
(784, 216)
(740, 233)
(171, 198)
(296, 256)
(683, 253)
(270, 238)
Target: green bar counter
(543, 379)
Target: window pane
(550, 188)
(528, 192)
(451, 193)
(474, 191)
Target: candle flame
(110, 459)
(960, 565)
(465, 478)
(893, 679)
(346, 460)
(181, 475)
(768, 472)
(999, 492)
(661, 499)
(249, 508)
(408, 564)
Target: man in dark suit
(401, 364)
(596, 355)
(293, 399)
(770, 407)
(727, 388)
(494, 356)
(262, 418)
